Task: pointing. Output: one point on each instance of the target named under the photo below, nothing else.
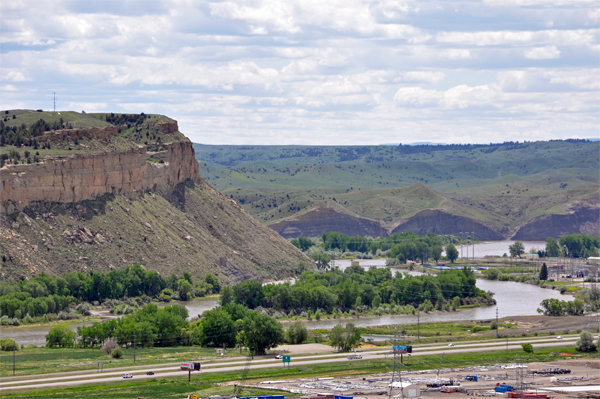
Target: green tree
(552, 307)
(184, 287)
(188, 276)
(585, 343)
(451, 252)
(218, 328)
(297, 333)
(212, 280)
(527, 348)
(544, 272)
(517, 249)
(552, 248)
(344, 338)
(321, 260)
(61, 336)
(436, 252)
(8, 344)
(226, 296)
(302, 243)
(263, 332)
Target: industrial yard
(574, 378)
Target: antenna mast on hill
(54, 101)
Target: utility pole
(133, 348)
(54, 101)
(461, 245)
(14, 356)
(418, 326)
(473, 240)
(497, 325)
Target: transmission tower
(54, 101)
(519, 377)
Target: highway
(161, 371)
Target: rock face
(83, 177)
(583, 221)
(109, 210)
(436, 221)
(323, 219)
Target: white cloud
(456, 54)
(542, 53)
(343, 71)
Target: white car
(451, 344)
(127, 375)
(559, 337)
(279, 357)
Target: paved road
(49, 380)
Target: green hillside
(502, 185)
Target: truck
(471, 378)
(354, 356)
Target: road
(61, 380)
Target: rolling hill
(498, 190)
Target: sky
(314, 72)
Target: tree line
(338, 291)
(46, 294)
(400, 246)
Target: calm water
(514, 299)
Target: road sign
(286, 358)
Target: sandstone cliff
(99, 210)
(82, 177)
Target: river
(514, 299)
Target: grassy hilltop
(501, 185)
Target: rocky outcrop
(82, 177)
(582, 221)
(323, 219)
(436, 221)
(102, 133)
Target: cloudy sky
(314, 71)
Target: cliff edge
(104, 191)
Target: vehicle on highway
(279, 357)
(451, 344)
(559, 337)
(354, 356)
(127, 375)
(149, 372)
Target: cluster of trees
(23, 135)
(556, 307)
(145, 327)
(48, 294)
(357, 289)
(572, 245)
(122, 119)
(224, 326)
(401, 246)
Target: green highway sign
(286, 358)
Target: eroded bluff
(112, 209)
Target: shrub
(494, 325)
(117, 353)
(61, 336)
(8, 344)
(109, 346)
(527, 348)
(297, 333)
(585, 343)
